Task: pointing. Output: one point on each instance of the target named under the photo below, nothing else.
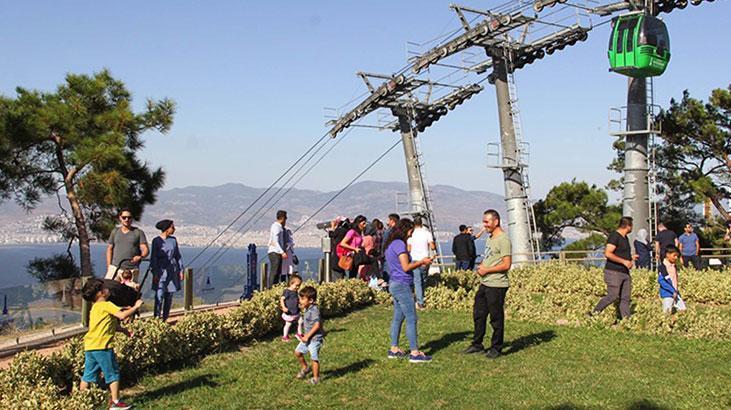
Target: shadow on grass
(204, 380)
(351, 368)
(644, 404)
(531, 340)
(443, 342)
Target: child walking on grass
(103, 322)
(313, 337)
(289, 303)
(667, 277)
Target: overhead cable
(259, 197)
(352, 181)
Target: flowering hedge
(36, 382)
(559, 292)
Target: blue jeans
(463, 265)
(403, 308)
(163, 302)
(420, 284)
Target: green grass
(545, 367)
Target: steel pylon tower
(419, 198)
(508, 37)
(496, 35)
(516, 198)
(413, 116)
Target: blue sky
(251, 80)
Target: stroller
(121, 294)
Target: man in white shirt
(420, 246)
(277, 248)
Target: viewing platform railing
(47, 312)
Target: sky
(251, 80)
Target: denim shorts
(313, 347)
(100, 360)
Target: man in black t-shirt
(463, 248)
(665, 237)
(616, 270)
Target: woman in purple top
(401, 286)
(167, 268)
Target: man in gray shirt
(126, 243)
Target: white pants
(668, 305)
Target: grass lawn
(544, 367)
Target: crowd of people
(394, 257)
(669, 251)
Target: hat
(164, 225)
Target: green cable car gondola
(639, 45)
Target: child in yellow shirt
(103, 322)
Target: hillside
(200, 212)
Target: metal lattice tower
(397, 95)
(506, 37)
(523, 162)
(513, 35)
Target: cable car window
(654, 33)
(630, 39)
(611, 36)
(621, 31)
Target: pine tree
(80, 141)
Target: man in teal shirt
(494, 283)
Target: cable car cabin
(639, 45)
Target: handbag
(295, 260)
(346, 262)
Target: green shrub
(559, 292)
(154, 345)
(33, 381)
(204, 333)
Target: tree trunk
(80, 221)
(719, 206)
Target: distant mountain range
(215, 207)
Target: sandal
(303, 373)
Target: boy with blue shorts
(103, 322)
(312, 339)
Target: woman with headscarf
(167, 268)
(642, 249)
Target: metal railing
(46, 312)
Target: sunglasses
(125, 217)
